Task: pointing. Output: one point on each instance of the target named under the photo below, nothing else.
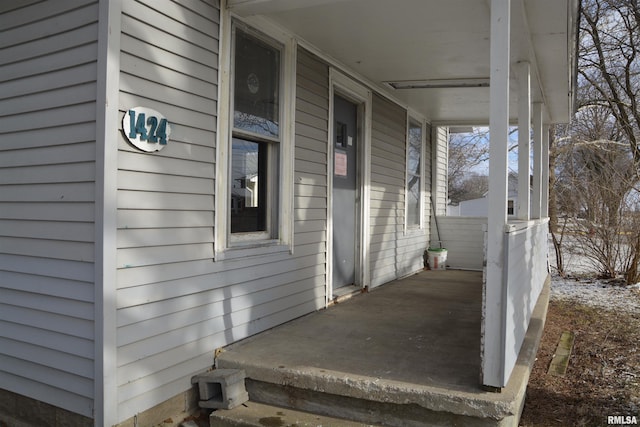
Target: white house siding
(463, 237)
(168, 61)
(48, 54)
(440, 168)
(392, 252)
(175, 303)
(439, 179)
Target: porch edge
(505, 406)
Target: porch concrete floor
(412, 341)
(424, 329)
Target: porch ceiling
(431, 40)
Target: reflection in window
(254, 181)
(256, 86)
(248, 186)
(414, 172)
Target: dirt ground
(603, 377)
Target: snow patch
(597, 293)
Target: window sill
(414, 230)
(250, 249)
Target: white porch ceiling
(433, 40)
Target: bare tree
(595, 186)
(595, 162)
(609, 63)
(466, 152)
(557, 134)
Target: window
(510, 207)
(255, 146)
(414, 174)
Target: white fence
(463, 237)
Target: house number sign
(146, 129)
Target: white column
(544, 202)
(493, 342)
(536, 200)
(524, 140)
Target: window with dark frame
(255, 136)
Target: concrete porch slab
(410, 349)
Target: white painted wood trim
(493, 309)
(222, 135)
(524, 140)
(536, 201)
(287, 150)
(105, 404)
(358, 93)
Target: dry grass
(603, 377)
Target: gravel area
(597, 293)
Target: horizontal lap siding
(168, 62)
(440, 169)
(48, 69)
(176, 305)
(310, 176)
(463, 237)
(393, 252)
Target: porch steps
(252, 414)
(335, 396)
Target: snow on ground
(582, 285)
(597, 293)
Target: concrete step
(373, 402)
(252, 414)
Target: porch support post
(536, 201)
(493, 341)
(524, 140)
(544, 209)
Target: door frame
(360, 95)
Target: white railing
(526, 252)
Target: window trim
(282, 238)
(415, 118)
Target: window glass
(414, 172)
(255, 145)
(248, 186)
(256, 86)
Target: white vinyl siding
(393, 253)
(48, 54)
(168, 62)
(463, 237)
(439, 177)
(439, 159)
(175, 303)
